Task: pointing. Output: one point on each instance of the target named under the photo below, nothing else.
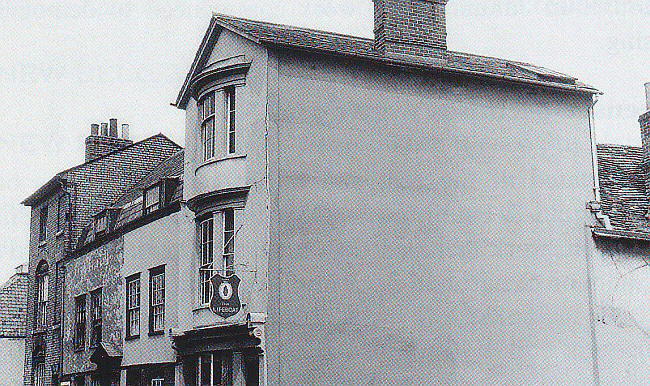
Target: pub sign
(225, 295)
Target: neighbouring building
(619, 260)
(13, 322)
(60, 210)
(119, 302)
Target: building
(13, 318)
(411, 214)
(619, 260)
(60, 210)
(127, 252)
(348, 211)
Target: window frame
(101, 220)
(207, 124)
(147, 207)
(42, 280)
(158, 382)
(153, 274)
(96, 310)
(80, 322)
(61, 213)
(42, 223)
(205, 229)
(133, 312)
(230, 124)
(227, 264)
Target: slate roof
(622, 191)
(13, 306)
(128, 208)
(53, 183)
(363, 49)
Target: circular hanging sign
(225, 295)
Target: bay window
(211, 128)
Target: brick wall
(99, 145)
(644, 122)
(91, 187)
(410, 27)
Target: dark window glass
(42, 224)
(252, 371)
(96, 317)
(80, 322)
(61, 213)
(151, 199)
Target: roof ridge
(292, 27)
(619, 145)
(159, 135)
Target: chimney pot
(104, 129)
(647, 96)
(113, 127)
(125, 131)
(94, 129)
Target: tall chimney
(113, 128)
(410, 27)
(125, 131)
(99, 144)
(644, 122)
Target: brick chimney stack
(100, 143)
(410, 27)
(644, 122)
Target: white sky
(65, 64)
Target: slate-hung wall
(88, 188)
(98, 269)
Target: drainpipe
(594, 148)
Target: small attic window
(101, 223)
(151, 199)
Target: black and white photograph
(324, 192)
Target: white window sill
(215, 160)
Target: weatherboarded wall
(425, 229)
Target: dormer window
(151, 199)
(101, 223)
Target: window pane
(206, 370)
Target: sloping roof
(622, 191)
(60, 177)
(129, 206)
(363, 49)
(13, 306)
